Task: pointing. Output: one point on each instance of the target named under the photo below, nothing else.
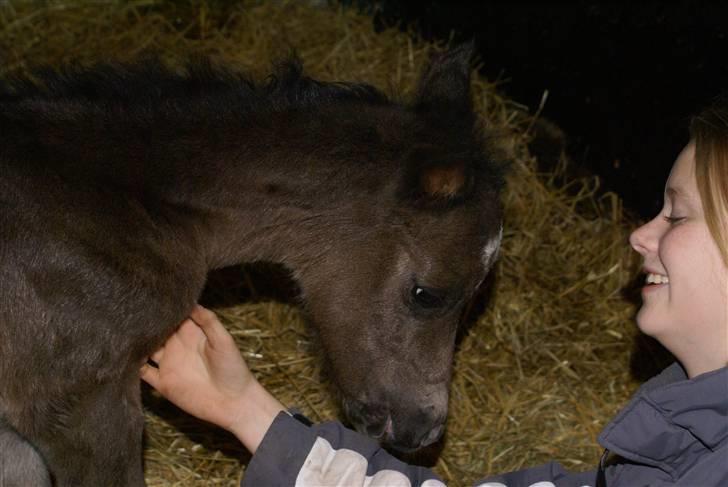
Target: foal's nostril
(434, 435)
(372, 419)
(375, 430)
(381, 430)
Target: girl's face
(685, 297)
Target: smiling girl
(685, 298)
(674, 431)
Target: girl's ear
(445, 82)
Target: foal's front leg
(99, 442)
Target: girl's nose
(644, 239)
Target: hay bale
(546, 363)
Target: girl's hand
(200, 370)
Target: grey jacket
(674, 432)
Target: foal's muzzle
(404, 431)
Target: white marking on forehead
(490, 251)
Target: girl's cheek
(670, 246)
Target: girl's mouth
(654, 281)
(653, 278)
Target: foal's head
(414, 226)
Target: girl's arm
(200, 369)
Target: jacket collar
(672, 420)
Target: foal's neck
(262, 231)
(271, 195)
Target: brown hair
(709, 130)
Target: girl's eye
(672, 220)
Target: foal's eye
(428, 298)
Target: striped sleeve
(551, 474)
(327, 454)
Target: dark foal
(120, 188)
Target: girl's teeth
(657, 279)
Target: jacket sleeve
(550, 474)
(292, 453)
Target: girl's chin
(647, 322)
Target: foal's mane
(119, 96)
(200, 84)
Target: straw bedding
(552, 351)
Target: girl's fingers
(203, 316)
(210, 324)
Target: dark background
(623, 78)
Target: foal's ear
(445, 82)
(444, 182)
(437, 184)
